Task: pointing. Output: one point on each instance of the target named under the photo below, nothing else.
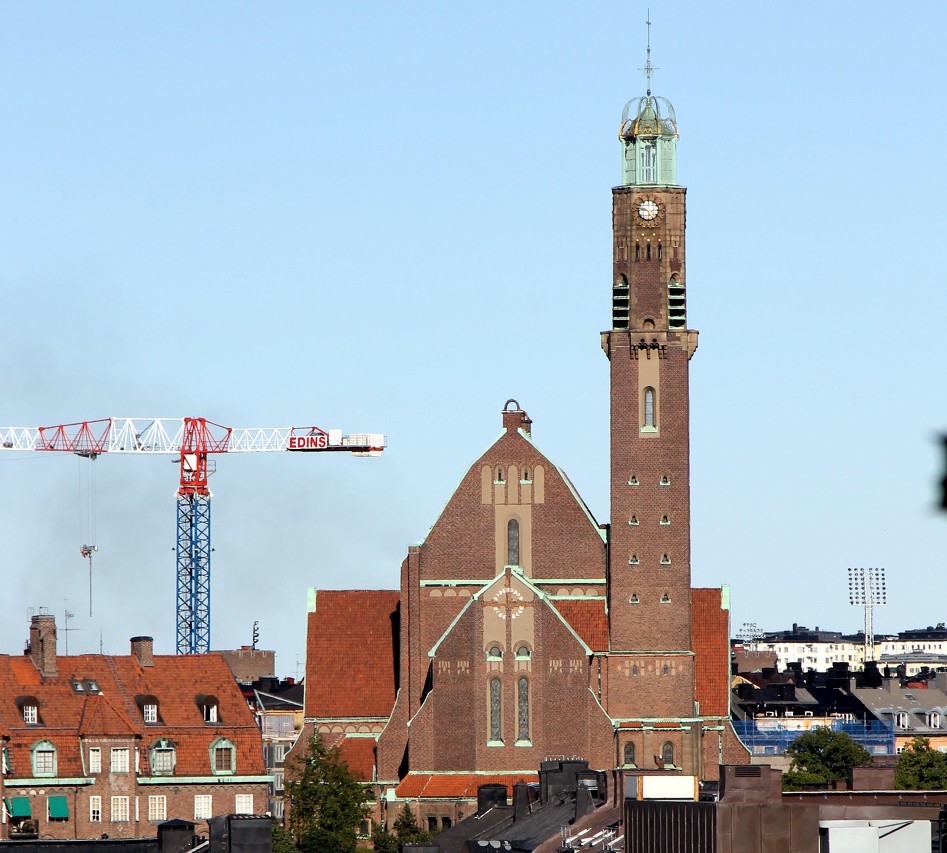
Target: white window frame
(95, 760)
(118, 760)
(210, 713)
(157, 807)
(118, 810)
(149, 713)
(203, 806)
(243, 804)
(30, 715)
(95, 809)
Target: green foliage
(282, 840)
(407, 829)
(382, 840)
(822, 756)
(327, 804)
(920, 767)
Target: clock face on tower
(648, 210)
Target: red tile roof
(359, 754)
(588, 620)
(174, 683)
(456, 785)
(351, 656)
(710, 635)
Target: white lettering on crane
(308, 442)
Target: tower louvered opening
(677, 304)
(620, 304)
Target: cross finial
(648, 69)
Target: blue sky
(393, 217)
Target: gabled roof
(710, 623)
(94, 696)
(351, 657)
(588, 619)
(101, 717)
(359, 754)
(454, 785)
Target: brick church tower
(523, 628)
(649, 347)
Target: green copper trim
(311, 600)
(201, 780)
(725, 596)
(45, 782)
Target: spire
(648, 134)
(648, 69)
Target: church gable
(513, 508)
(507, 672)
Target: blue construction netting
(772, 737)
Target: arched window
(637, 252)
(649, 412)
(43, 755)
(163, 757)
(629, 757)
(522, 653)
(494, 653)
(500, 475)
(667, 754)
(522, 710)
(223, 757)
(496, 711)
(513, 543)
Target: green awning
(58, 808)
(20, 807)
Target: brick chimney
(143, 648)
(515, 418)
(43, 644)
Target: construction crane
(192, 440)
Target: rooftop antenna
(648, 69)
(66, 629)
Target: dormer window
(163, 757)
(148, 708)
(223, 757)
(933, 720)
(209, 706)
(29, 709)
(78, 686)
(44, 759)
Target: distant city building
(113, 745)
(249, 664)
(821, 650)
(811, 649)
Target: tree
(282, 840)
(821, 756)
(920, 767)
(327, 804)
(407, 828)
(383, 841)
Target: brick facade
(110, 744)
(523, 629)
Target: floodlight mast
(191, 440)
(867, 588)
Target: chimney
(43, 644)
(515, 418)
(143, 648)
